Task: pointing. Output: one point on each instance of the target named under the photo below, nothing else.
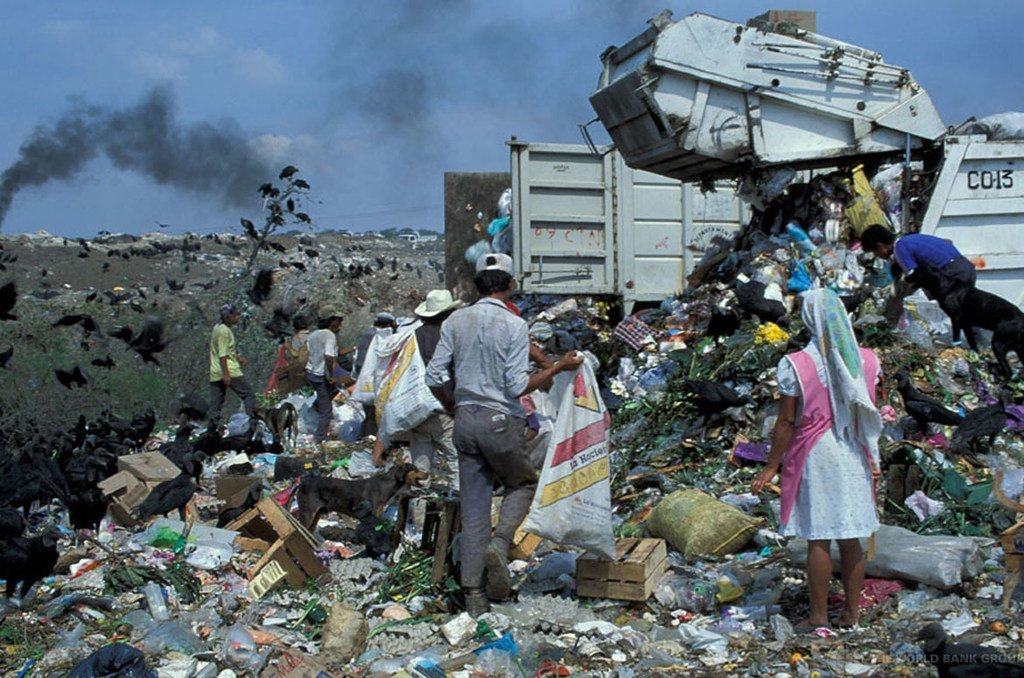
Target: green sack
(697, 524)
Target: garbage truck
(703, 98)
(584, 223)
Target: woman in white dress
(826, 445)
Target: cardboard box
(149, 467)
(233, 489)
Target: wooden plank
(641, 551)
(299, 550)
(250, 544)
(611, 589)
(449, 517)
(624, 546)
(605, 569)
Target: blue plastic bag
(799, 278)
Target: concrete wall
(466, 195)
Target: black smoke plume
(207, 159)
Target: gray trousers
(218, 391)
(491, 446)
(324, 409)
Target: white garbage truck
(703, 98)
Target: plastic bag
(238, 425)
(936, 560)
(241, 651)
(684, 593)
(117, 659)
(348, 421)
(402, 400)
(477, 250)
(923, 506)
(999, 127)
(505, 203)
(572, 504)
(799, 278)
(502, 242)
(493, 663)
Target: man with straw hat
(435, 434)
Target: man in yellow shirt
(226, 365)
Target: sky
(120, 116)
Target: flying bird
(87, 322)
(150, 339)
(8, 298)
(70, 379)
(303, 217)
(106, 363)
(288, 171)
(262, 286)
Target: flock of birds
(68, 468)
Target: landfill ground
(728, 614)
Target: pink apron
(815, 421)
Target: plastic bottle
(729, 587)
(155, 600)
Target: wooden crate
(638, 565)
(269, 528)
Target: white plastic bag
(403, 401)
(365, 389)
(572, 504)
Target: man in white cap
(485, 350)
(226, 366)
(435, 434)
(323, 351)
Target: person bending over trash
(826, 443)
(484, 349)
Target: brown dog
(317, 495)
(283, 422)
(1011, 542)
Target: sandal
(806, 627)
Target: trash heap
(702, 580)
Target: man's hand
(242, 361)
(226, 379)
(570, 361)
(876, 474)
(763, 479)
